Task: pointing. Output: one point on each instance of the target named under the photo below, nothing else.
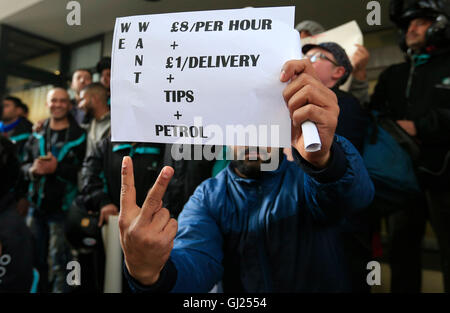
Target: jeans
(53, 252)
(439, 208)
(406, 227)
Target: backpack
(388, 154)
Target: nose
(412, 27)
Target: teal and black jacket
(19, 135)
(55, 192)
(101, 171)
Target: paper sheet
(209, 77)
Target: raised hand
(147, 233)
(308, 99)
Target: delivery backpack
(388, 154)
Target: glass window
(22, 48)
(85, 56)
(32, 93)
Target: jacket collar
(6, 128)
(71, 129)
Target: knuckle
(165, 213)
(134, 234)
(308, 89)
(153, 203)
(309, 109)
(173, 223)
(292, 104)
(338, 110)
(122, 223)
(286, 93)
(159, 242)
(123, 190)
(161, 182)
(307, 62)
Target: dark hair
(24, 107)
(83, 70)
(98, 89)
(9, 165)
(17, 101)
(103, 64)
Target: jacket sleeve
(197, 253)
(343, 188)
(434, 126)
(93, 187)
(28, 159)
(360, 90)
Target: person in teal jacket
(53, 156)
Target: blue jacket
(281, 233)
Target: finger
(128, 207)
(160, 220)
(100, 221)
(154, 197)
(309, 94)
(300, 82)
(313, 113)
(296, 67)
(171, 228)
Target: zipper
(262, 252)
(409, 84)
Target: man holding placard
(257, 231)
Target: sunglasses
(319, 55)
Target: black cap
(403, 12)
(339, 54)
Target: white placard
(203, 77)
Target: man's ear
(338, 73)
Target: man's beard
(252, 168)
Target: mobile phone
(45, 157)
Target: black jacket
(427, 104)
(17, 249)
(55, 192)
(189, 174)
(353, 119)
(19, 136)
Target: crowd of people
(311, 225)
